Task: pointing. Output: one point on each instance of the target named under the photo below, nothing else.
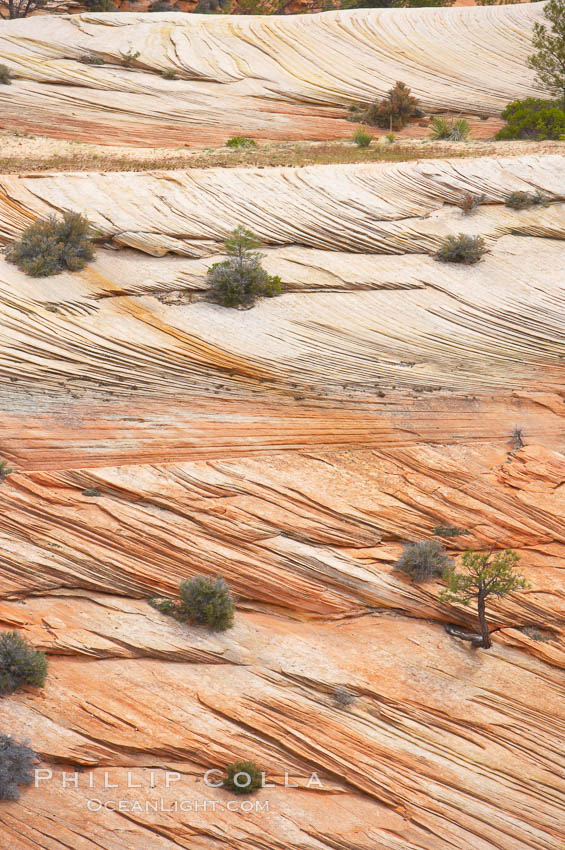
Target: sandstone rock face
(289, 77)
(292, 449)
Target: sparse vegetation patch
(461, 249)
(52, 245)
(16, 767)
(20, 663)
(423, 560)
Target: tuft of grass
(523, 200)
(5, 76)
(5, 470)
(449, 531)
(449, 130)
(362, 139)
(89, 59)
(168, 74)
(536, 634)
(130, 57)
(241, 143)
(390, 137)
(463, 249)
(243, 777)
(91, 491)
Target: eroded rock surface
(291, 448)
(287, 77)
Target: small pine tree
(483, 575)
(243, 777)
(208, 602)
(548, 41)
(16, 767)
(20, 663)
(241, 279)
(395, 110)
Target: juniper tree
(483, 575)
(548, 41)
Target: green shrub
(91, 491)
(241, 279)
(523, 200)
(51, 245)
(362, 139)
(207, 602)
(88, 59)
(423, 560)
(395, 110)
(532, 118)
(16, 767)
(100, 6)
(243, 777)
(241, 142)
(168, 74)
(20, 663)
(5, 76)
(5, 470)
(452, 130)
(461, 249)
(449, 531)
(535, 634)
(390, 137)
(130, 57)
(470, 202)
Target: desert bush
(5, 470)
(16, 767)
(207, 602)
(461, 249)
(343, 697)
(470, 202)
(20, 663)
(362, 139)
(243, 777)
(50, 245)
(88, 59)
(390, 137)
(168, 74)
(449, 531)
(395, 110)
(241, 142)
(130, 57)
(91, 491)
(100, 6)
(533, 118)
(450, 130)
(5, 76)
(535, 634)
(517, 438)
(241, 279)
(423, 560)
(523, 200)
